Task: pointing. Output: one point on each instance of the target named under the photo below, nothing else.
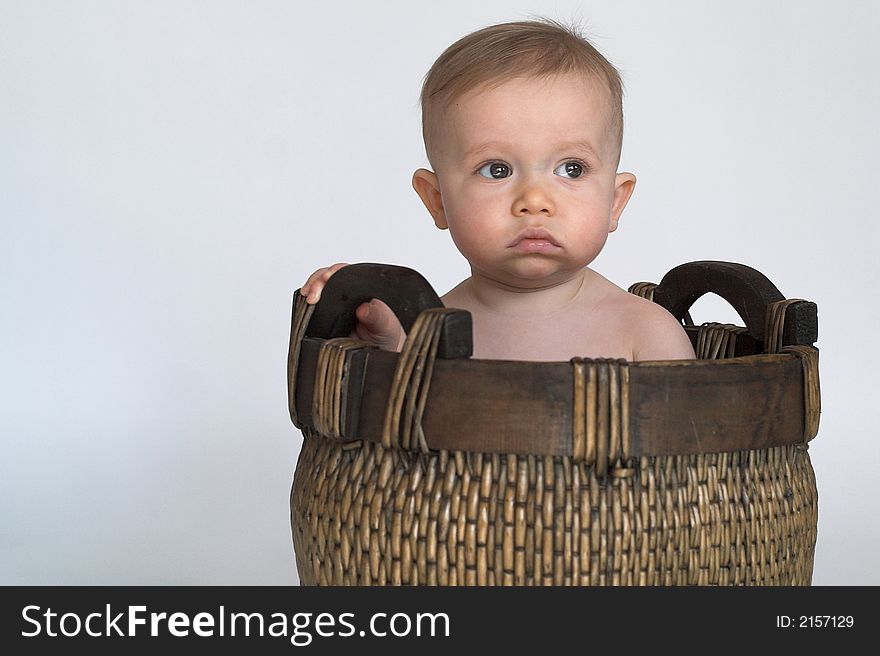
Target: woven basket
(428, 467)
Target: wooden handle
(749, 292)
(404, 290)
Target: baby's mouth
(535, 246)
(534, 240)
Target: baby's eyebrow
(580, 145)
(488, 145)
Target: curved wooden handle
(404, 290)
(749, 292)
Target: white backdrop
(171, 171)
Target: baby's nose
(533, 198)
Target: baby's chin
(528, 275)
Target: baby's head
(489, 57)
(522, 124)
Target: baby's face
(530, 153)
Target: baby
(522, 125)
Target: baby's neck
(500, 298)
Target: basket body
(364, 514)
(427, 467)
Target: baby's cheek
(464, 241)
(474, 247)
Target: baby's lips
(537, 233)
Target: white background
(171, 171)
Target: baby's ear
(428, 188)
(624, 184)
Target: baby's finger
(309, 284)
(312, 289)
(320, 281)
(318, 275)
(379, 324)
(304, 290)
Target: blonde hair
(499, 53)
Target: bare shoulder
(651, 330)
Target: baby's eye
(570, 170)
(495, 170)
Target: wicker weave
(396, 513)
(378, 516)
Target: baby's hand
(312, 289)
(375, 322)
